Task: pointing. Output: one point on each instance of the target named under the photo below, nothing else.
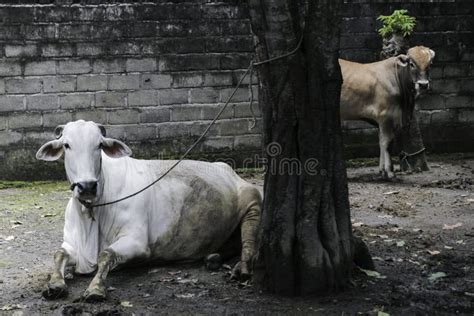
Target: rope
(404, 156)
(183, 156)
(253, 63)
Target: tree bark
(408, 142)
(306, 236)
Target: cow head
(418, 59)
(82, 144)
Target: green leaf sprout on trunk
(399, 22)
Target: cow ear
(102, 130)
(432, 53)
(403, 60)
(58, 131)
(115, 148)
(50, 151)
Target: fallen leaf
(126, 304)
(174, 272)
(448, 247)
(400, 243)
(188, 295)
(470, 200)
(414, 262)
(391, 192)
(460, 242)
(48, 215)
(185, 281)
(10, 307)
(9, 238)
(380, 313)
(146, 295)
(111, 288)
(469, 294)
(433, 252)
(382, 236)
(357, 224)
(372, 274)
(446, 226)
(435, 276)
(153, 271)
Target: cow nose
(423, 85)
(87, 187)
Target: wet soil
(418, 227)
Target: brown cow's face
(420, 59)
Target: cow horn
(58, 131)
(102, 129)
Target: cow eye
(67, 146)
(412, 64)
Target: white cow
(189, 214)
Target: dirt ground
(419, 229)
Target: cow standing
(189, 214)
(383, 93)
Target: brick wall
(156, 73)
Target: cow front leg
(56, 287)
(96, 290)
(121, 251)
(249, 228)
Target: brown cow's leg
(57, 286)
(382, 156)
(252, 199)
(96, 290)
(385, 137)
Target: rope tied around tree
(186, 153)
(404, 156)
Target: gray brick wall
(156, 73)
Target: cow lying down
(383, 93)
(187, 215)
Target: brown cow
(383, 94)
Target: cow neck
(406, 87)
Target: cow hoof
(388, 175)
(241, 272)
(95, 294)
(213, 261)
(55, 290)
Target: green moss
(362, 162)
(41, 198)
(41, 185)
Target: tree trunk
(412, 153)
(409, 142)
(306, 237)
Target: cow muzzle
(423, 84)
(85, 189)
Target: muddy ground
(419, 228)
